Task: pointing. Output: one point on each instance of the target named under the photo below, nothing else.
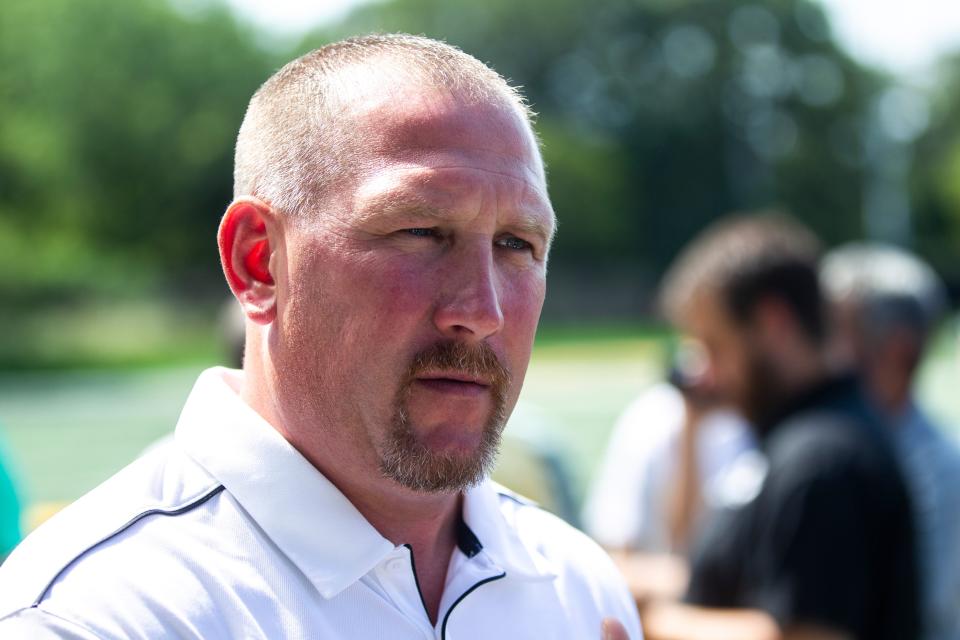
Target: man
(824, 549)
(676, 455)
(671, 456)
(388, 243)
(886, 303)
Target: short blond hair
(295, 140)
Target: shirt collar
(837, 392)
(497, 530)
(302, 512)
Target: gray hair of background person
(887, 289)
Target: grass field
(69, 431)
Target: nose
(469, 306)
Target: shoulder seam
(175, 511)
(52, 615)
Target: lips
(456, 371)
(453, 384)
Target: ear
(248, 237)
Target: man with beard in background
(823, 547)
(388, 244)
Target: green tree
(660, 115)
(116, 137)
(936, 175)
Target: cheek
(340, 305)
(728, 369)
(738, 374)
(382, 315)
(373, 288)
(521, 301)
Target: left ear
(248, 237)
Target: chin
(453, 440)
(447, 460)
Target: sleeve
(613, 597)
(621, 509)
(812, 561)
(37, 624)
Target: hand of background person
(611, 629)
(653, 576)
(691, 373)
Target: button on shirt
(230, 533)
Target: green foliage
(117, 121)
(658, 116)
(116, 137)
(936, 175)
(115, 335)
(590, 189)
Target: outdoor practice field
(69, 431)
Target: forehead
(443, 187)
(707, 317)
(429, 147)
(398, 113)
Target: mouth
(449, 383)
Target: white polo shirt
(231, 533)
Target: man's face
(741, 367)
(408, 307)
(845, 348)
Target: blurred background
(117, 122)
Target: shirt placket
(398, 580)
(469, 575)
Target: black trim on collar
(467, 541)
(446, 618)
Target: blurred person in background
(668, 454)
(388, 242)
(885, 305)
(676, 455)
(824, 548)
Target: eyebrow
(399, 203)
(528, 225)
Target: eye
(514, 243)
(422, 232)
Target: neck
(424, 521)
(401, 515)
(795, 369)
(803, 368)
(890, 390)
(427, 522)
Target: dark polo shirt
(828, 539)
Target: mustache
(479, 361)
